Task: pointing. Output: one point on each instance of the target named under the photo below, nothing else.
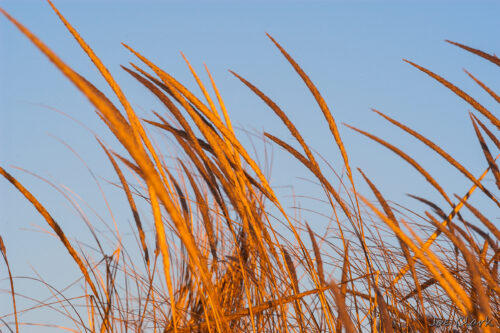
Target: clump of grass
(214, 262)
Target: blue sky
(351, 51)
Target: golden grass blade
(104, 72)
(221, 102)
(163, 244)
(311, 161)
(485, 87)
(321, 102)
(260, 308)
(432, 262)
(434, 236)
(441, 152)
(202, 87)
(467, 254)
(406, 252)
(284, 118)
(329, 119)
(112, 117)
(169, 81)
(330, 190)
(493, 58)
(136, 128)
(177, 89)
(55, 226)
(485, 112)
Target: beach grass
(214, 259)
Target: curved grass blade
(408, 159)
(493, 58)
(487, 154)
(485, 87)
(445, 222)
(475, 104)
(441, 152)
(12, 292)
(131, 202)
(55, 226)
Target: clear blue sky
(352, 52)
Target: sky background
(352, 51)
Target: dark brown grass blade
(55, 226)
(433, 237)
(180, 133)
(169, 81)
(493, 58)
(131, 202)
(481, 233)
(203, 207)
(485, 87)
(482, 218)
(475, 270)
(408, 159)
(492, 283)
(494, 270)
(182, 198)
(382, 306)
(486, 130)
(431, 204)
(282, 115)
(317, 255)
(343, 287)
(482, 301)
(441, 152)
(205, 146)
(12, 291)
(342, 309)
(295, 283)
(475, 104)
(308, 164)
(406, 252)
(291, 269)
(259, 308)
(486, 151)
(428, 283)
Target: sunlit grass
(216, 261)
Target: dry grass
(215, 263)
